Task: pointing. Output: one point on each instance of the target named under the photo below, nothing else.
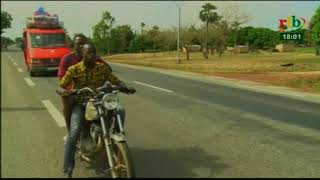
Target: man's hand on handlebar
(122, 87)
(129, 90)
(125, 89)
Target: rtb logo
(291, 23)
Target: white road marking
(29, 81)
(15, 64)
(56, 115)
(155, 87)
(20, 70)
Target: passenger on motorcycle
(67, 61)
(87, 73)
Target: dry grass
(227, 63)
(304, 60)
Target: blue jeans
(76, 121)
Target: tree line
(217, 32)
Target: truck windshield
(48, 40)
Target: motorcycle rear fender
(118, 137)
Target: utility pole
(178, 44)
(178, 39)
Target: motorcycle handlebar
(75, 92)
(129, 90)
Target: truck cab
(44, 49)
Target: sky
(81, 16)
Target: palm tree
(207, 15)
(142, 25)
(155, 34)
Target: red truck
(45, 43)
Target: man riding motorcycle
(87, 73)
(67, 61)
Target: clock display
(291, 36)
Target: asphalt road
(176, 126)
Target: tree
(5, 42)
(5, 21)
(142, 25)
(189, 36)
(101, 32)
(243, 35)
(208, 15)
(153, 36)
(315, 30)
(68, 38)
(308, 37)
(120, 38)
(167, 40)
(89, 39)
(259, 38)
(235, 28)
(137, 44)
(235, 19)
(219, 33)
(18, 40)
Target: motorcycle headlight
(110, 101)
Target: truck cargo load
(42, 19)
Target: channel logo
(291, 23)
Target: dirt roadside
(285, 79)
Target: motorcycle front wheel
(122, 160)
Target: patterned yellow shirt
(80, 76)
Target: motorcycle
(103, 133)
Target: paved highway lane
(177, 127)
